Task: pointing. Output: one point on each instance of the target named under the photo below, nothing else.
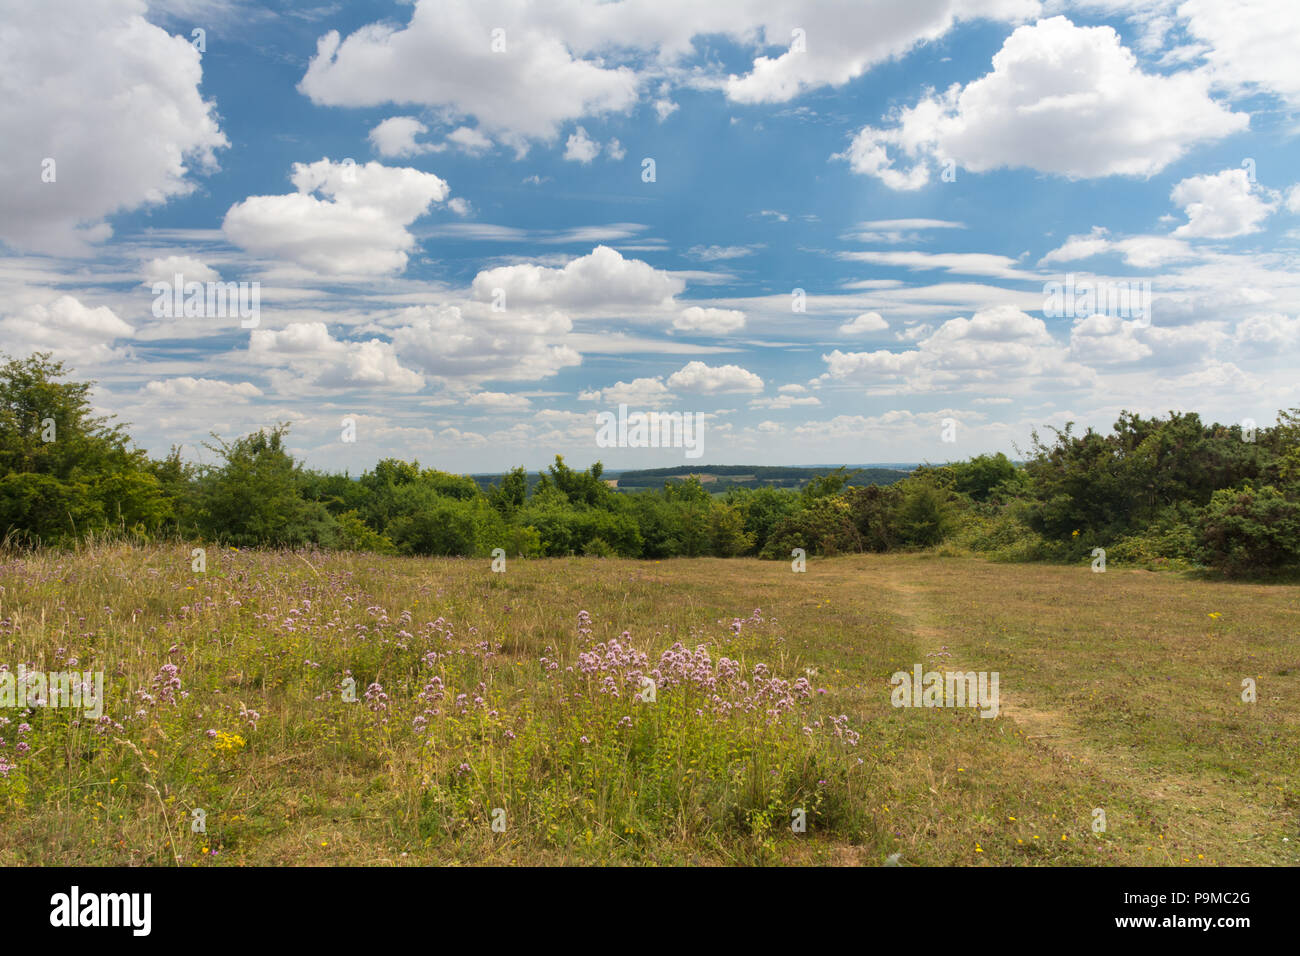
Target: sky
(458, 231)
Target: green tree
(254, 497)
(65, 471)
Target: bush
(925, 514)
(824, 526)
(1250, 529)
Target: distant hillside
(719, 478)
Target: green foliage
(429, 523)
(825, 527)
(762, 509)
(65, 472)
(979, 477)
(925, 513)
(355, 535)
(1171, 492)
(1250, 529)
(253, 497)
(872, 510)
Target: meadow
(315, 708)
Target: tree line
(1169, 491)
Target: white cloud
(898, 230)
(864, 323)
(74, 332)
(319, 361)
(469, 140)
(703, 379)
(189, 389)
(84, 89)
(498, 400)
(785, 401)
(1248, 45)
(843, 41)
(710, 321)
(1000, 345)
(1104, 339)
(580, 147)
(444, 58)
(1220, 206)
(558, 63)
(395, 136)
(1270, 334)
(167, 268)
(358, 229)
(959, 263)
(640, 392)
(1060, 99)
(1141, 252)
(600, 279)
(471, 343)
(719, 253)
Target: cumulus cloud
(1220, 206)
(997, 345)
(839, 43)
(580, 147)
(1270, 334)
(1104, 340)
(520, 84)
(74, 332)
(1247, 45)
(501, 401)
(395, 136)
(318, 360)
(471, 343)
(359, 228)
(701, 379)
(551, 65)
(84, 89)
(864, 323)
(599, 279)
(641, 392)
(190, 389)
(469, 140)
(1061, 99)
(709, 321)
(165, 269)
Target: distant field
(1118, 691)
(721, 478)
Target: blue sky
(456, 250)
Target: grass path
(1201, 805)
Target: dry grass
(1119, 691)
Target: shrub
(1250, 529)
(925, 514)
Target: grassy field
(494, 723)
